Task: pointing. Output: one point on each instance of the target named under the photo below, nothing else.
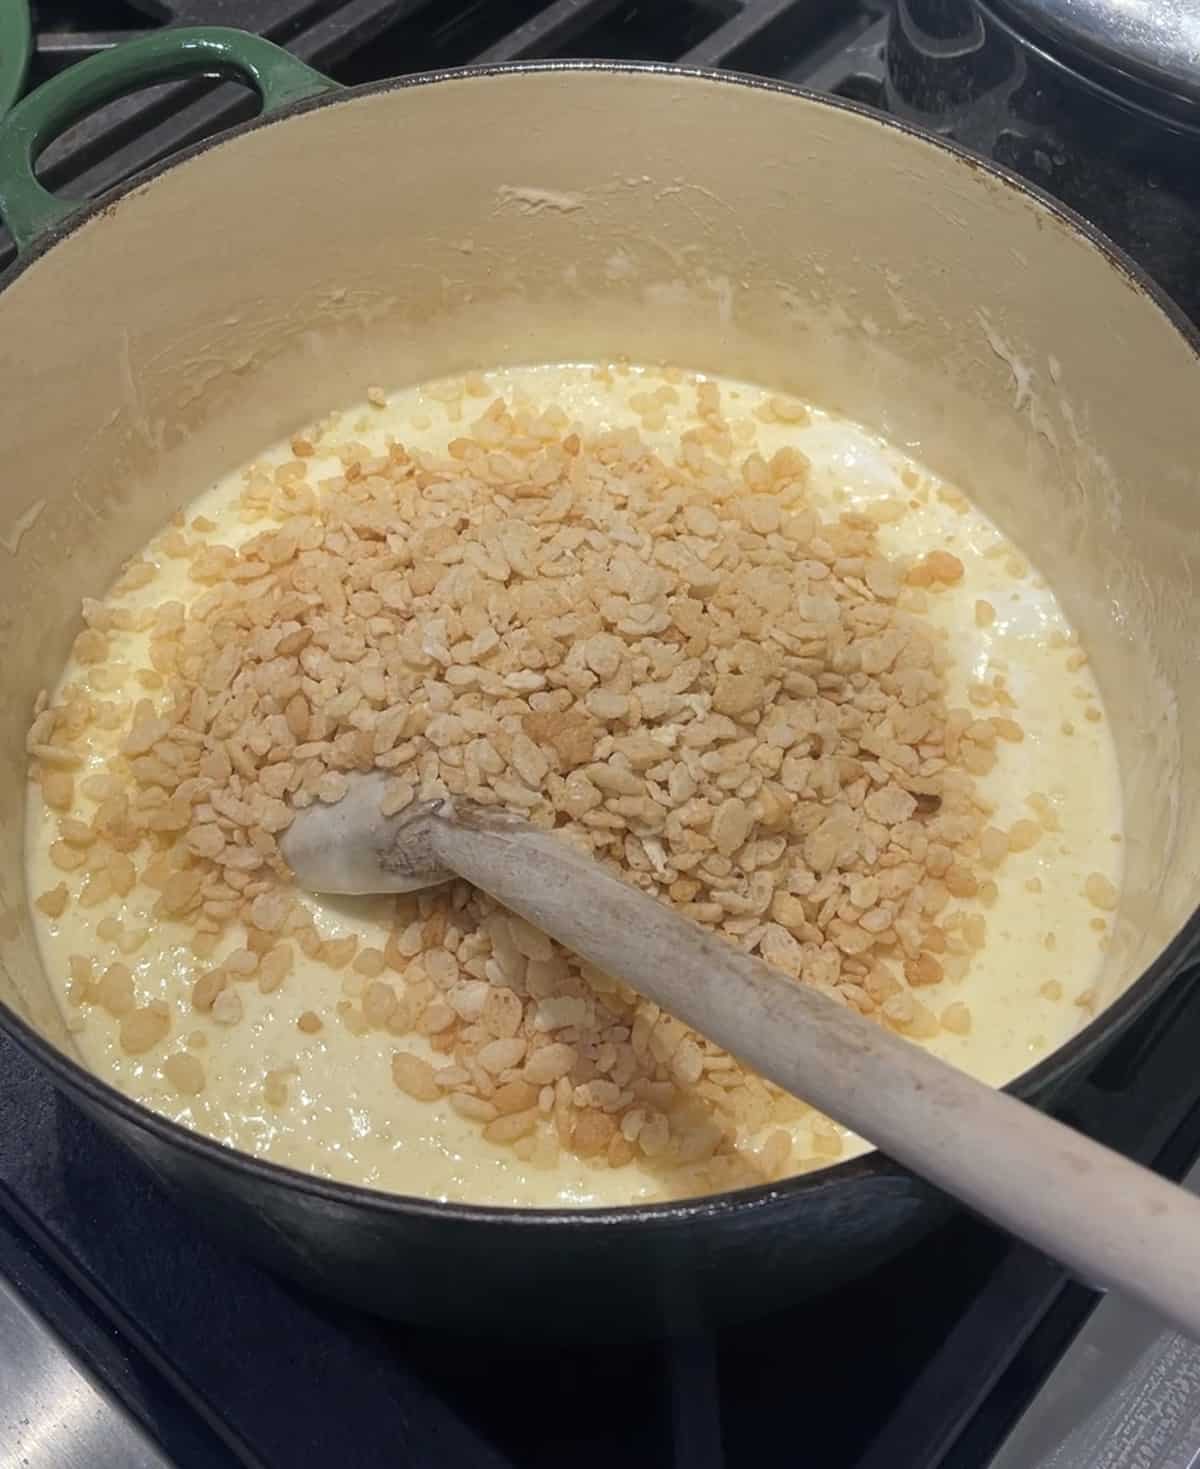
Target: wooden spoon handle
(1109, 1220)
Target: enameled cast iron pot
(152, 341)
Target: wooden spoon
(1111, 1221)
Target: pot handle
(27, 208)
(16, 42)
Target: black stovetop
(923, 1364)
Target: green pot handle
(16, 44)
(169, 55)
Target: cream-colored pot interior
(583, 214)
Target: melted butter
(345, 1119)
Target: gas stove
(128, 1338)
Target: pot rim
(1085, 1045)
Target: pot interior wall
(578, 215)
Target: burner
(1154, 46)
(1124, 159)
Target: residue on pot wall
(12, 538)
(1025, 397)
(532, 200)
(1021, 370)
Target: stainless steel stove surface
(140, 1342)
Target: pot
(392, 233)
